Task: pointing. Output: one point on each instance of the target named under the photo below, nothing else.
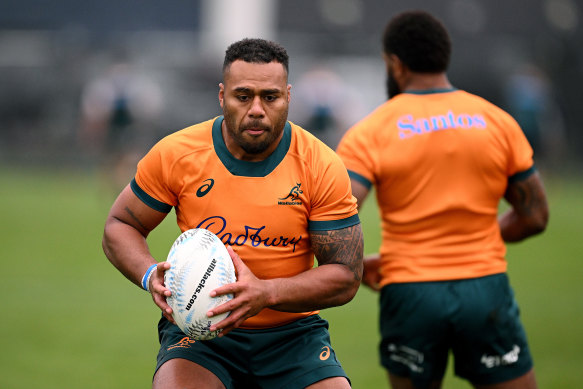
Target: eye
(270, 98)
(243, 98)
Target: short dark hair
(420, 41)
(256, 51)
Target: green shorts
(291, 356)
(477, 319)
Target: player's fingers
(374, 287)
(229, 306)
(240, 266)
(169, 317)
(233, 289)
(160, 301)
(164, 265)
(157, 287)
(373, 284)
(236, 324)
(157, 282)
(228, 329)
(234, 320)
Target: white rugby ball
(199, 263)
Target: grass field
(70, 320)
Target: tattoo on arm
(344, 246)
(519, 197)
(526, 196)
(136, 219)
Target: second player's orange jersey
(440, 163)
(265, 209)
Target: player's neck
(427, 81)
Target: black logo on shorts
(204, 189)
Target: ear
(396, 66)
(221, 93)
(387, 59)
(289, 92)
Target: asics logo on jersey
(293, 196)
(256, 236)
(204, 189)
(325, 354)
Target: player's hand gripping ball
(200, 263)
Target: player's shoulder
(477, 100)
(372, 128)
(187, 140)
(501, 121)
(460, 94)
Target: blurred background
(71, 71)
(87, 87)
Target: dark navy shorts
(477, 319)
(294, 355)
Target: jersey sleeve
(152, 181)
(357, 154)
(332, 205)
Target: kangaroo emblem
(294, 193)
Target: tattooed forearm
(529, 213)
(344, 246)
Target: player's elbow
(349, 290)
(106, 244)
(108, 234)
(539, 222)
(533, 225)
(341, 288)
(539, 219)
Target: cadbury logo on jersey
(253, 235)
(410, 126)
(293, 197)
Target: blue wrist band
(146, 277)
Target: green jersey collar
(430, 91)
(238, 167)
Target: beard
(254, 144)
(392, 86)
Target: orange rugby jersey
(265, 209)
(440, 161)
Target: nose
(256, 110)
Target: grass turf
(70, 320)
